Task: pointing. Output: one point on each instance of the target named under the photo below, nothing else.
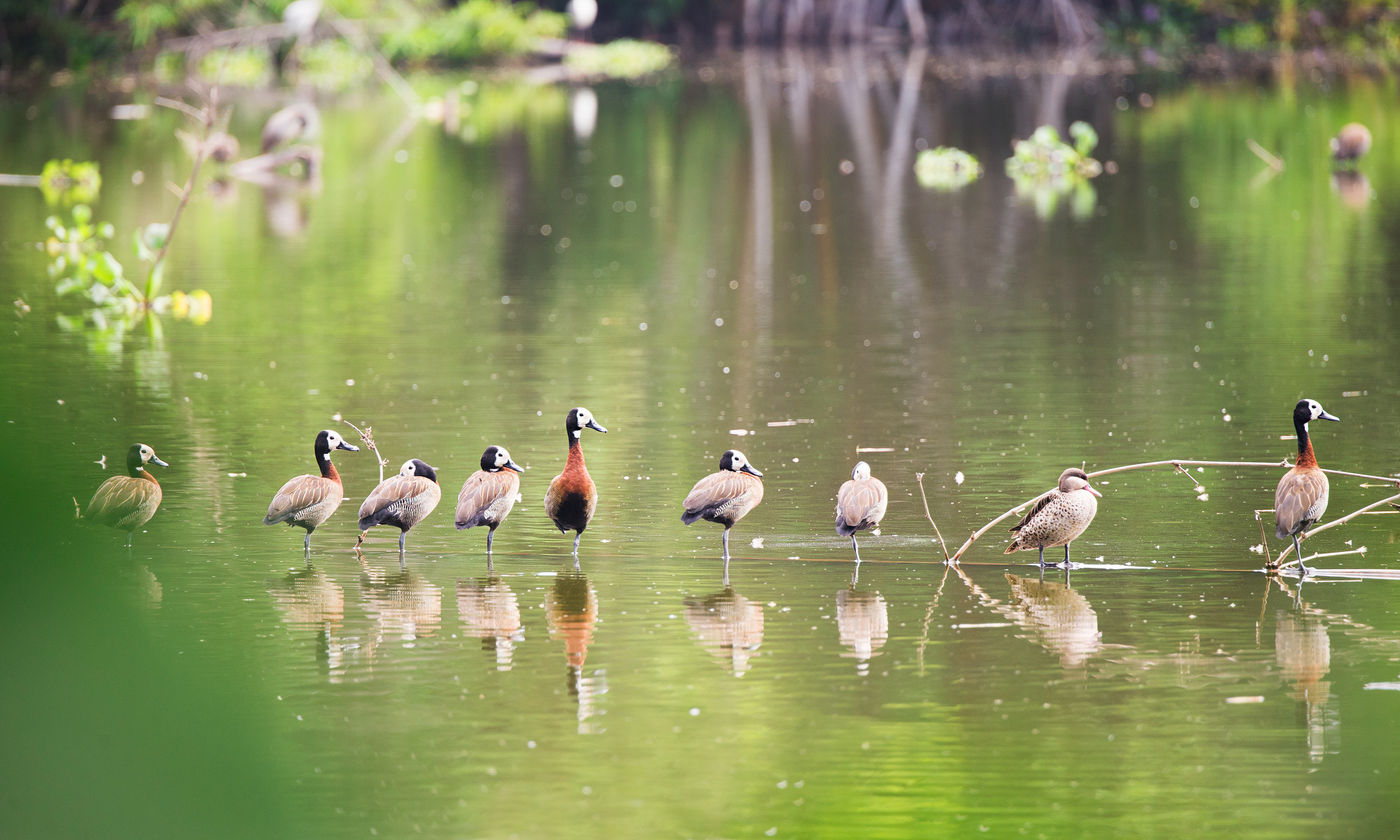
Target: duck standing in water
(860, 504)
(572, 496)
(1301, 496)
(127, 502)
(402, 500)
(1058, 517)
(1351, 142)
(725, 496)
(489, 493)
(307, 501)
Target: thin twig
(1263, 535)
(919, 477)
(1263, 154)
(1278, 563)
(367, 436)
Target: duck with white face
(1300, 499)
(489, 493)
(726, 496)
(401, 501)
(307, 501)
(126, 502)
(572, 496)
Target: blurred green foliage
(946, 169)
(74, 35)
(473, 31)
(622, 59)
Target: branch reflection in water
(490, 611)
(571, 611)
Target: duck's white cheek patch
(578, 433)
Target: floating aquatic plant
(1045, 169)
(621, 59)
(65, 182)
(946, 168)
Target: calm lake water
(717, 256)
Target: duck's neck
(1306, 458)
(327, 468)
(145, 474)
(575, 461)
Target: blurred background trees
(77, 33)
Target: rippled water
(738, 257)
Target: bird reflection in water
(1060, 619)
(863, 622)
(402, 603)
(1303, 653)
(571, 611)
(728, 625)
(311, 600)
(1352, 188)
(490, 611)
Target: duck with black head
(307, 501)
(726, 496)
(489, 493)
(1301, 496)
(1058, 517)
(402, 500)
(127, 502)
(572, 496)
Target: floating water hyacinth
(946, 168)
(1044, 169)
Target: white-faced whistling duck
(489, 493)
(1351, 142)
(860, 504)
(402, 500)
(127, 502)
(1301, 497)
(1058, 517)
(572, 496)
(725, 496)
(307, 501)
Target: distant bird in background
(1301, 496)
(298, 121)
(1058, 517)
(860, 504)
(1351, 142)
(126, 502)
(582, 14)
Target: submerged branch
(1278, 562)
(1177, 464)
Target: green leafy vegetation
(82, 262)
(1046, 169)
(473, 31)
(65, 183)
(625, 59)
(946, 169)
